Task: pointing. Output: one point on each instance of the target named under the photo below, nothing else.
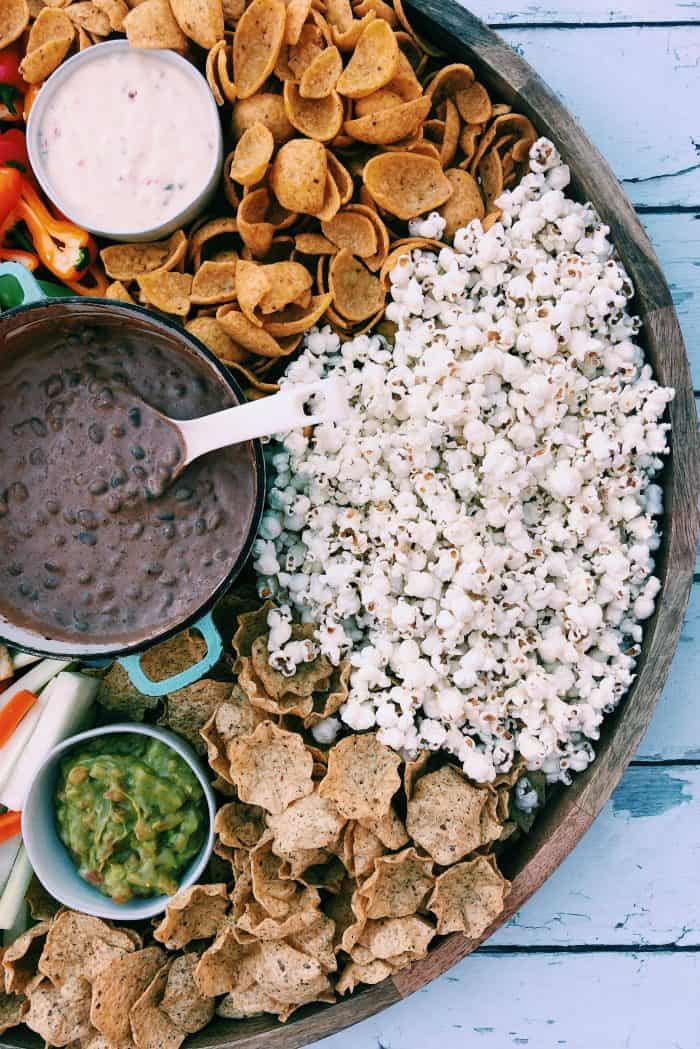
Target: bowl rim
(71, 649)
(142, 907)
(95, 54)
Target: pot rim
(96, 652)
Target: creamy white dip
(127, 141)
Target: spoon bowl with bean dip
(101, 558)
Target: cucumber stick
(65, 705)
(12, 899)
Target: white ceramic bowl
(65, 70)
(49, 857)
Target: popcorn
(477, 537)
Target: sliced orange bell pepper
(10, 191)
(63, 248)
(25, 258)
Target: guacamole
(131, 813)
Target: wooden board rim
(567, 821)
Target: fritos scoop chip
(118, 986)
(353, 231)
(321, 76)
(252, 155)
(169, 292)
(153, 25)
(465, 203)
(213, 284)
(406, 184)
(256, 44)
(389, 124)
(373, 62)
(317, 118)
(126, 262)
(192, 914)
(444, 815)
(14, 19)
(468, 897)
(200, 20)
(298, 176)
(362, 777)
(265, 108)
(270, 767)
(357, 294)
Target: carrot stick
(10, 825)
(13, 712)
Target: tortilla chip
(288, 975)
(362, 777)
(14, 19)
(399, 886)
(388, 937)
(354, 974)
(240, 826)
(117, 291)
(256, 44)
(189, 709)
(236, 717)
(89, 17)
(269, 889)
(218, 970)
(271, 767)
(61, 1015)
(200, 20)
(388, 828)
(153, 25)
(444, 815)
(301, 912)
(116, 11)
(182, 1000)
(242, 1003)
(469, 897)
(13, 1009)
(312, 822)
(150, 1026)
(118, 987)
(42, 905)
(80, 946)
(21, 959)
(193, 914)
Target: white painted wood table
(607, 954)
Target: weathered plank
(674, 734)
(616, 886)
(630, 88)
(545, 1001)
(584, 12)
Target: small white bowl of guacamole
(127, 143)
(118, 820)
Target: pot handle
(147, 687)
(29, 287)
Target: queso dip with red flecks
(128, 140)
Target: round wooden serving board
(569, 815)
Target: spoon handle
(290, 409)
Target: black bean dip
(96, 544)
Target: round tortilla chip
(389, 125)
(312, 822)
(200, 20)
(357, 294)
(79, 946)
(192, 914)
(252, 155)
(321, 76)
(240, 826)
(373, 63)
(362, 777)
(150, 1026)
(257, 43)
(14, 19)
(271, 767)
(353, 231)
(444, 815)
(182, 1001)
(406, 184)
(265, 108)
(117, 987)
(152, 25)
(465, 204)
(60, 1014)
(468, 897)
(288, 975)
(399, 885)
(317, 118)
(298, 176)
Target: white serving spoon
(305, 404)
